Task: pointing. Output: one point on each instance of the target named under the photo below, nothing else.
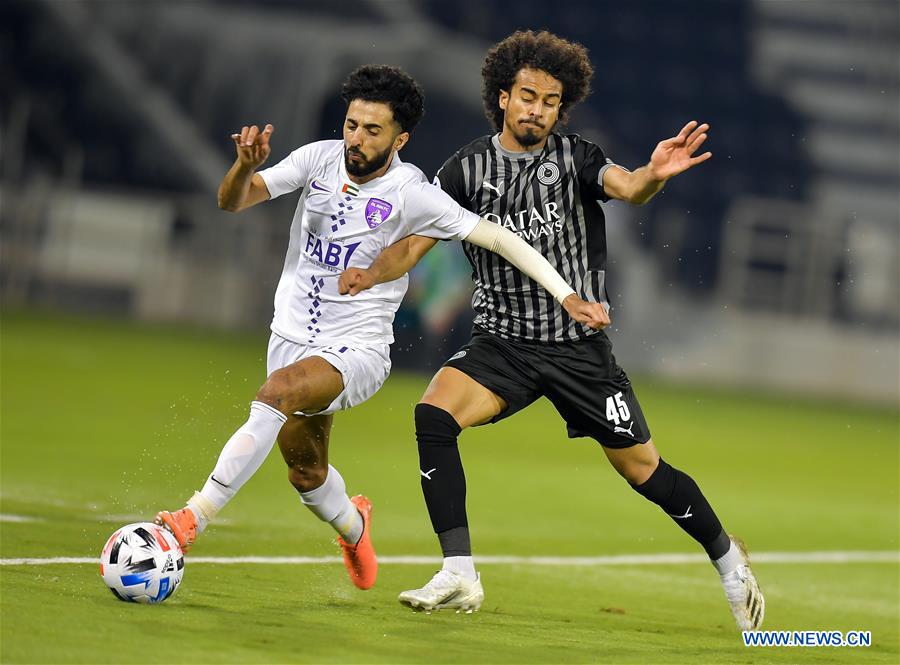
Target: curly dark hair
(391, 86)
(565, 61)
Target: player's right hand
(355, 280)
(252, 145)
(591, 314)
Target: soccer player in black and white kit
(546, 187)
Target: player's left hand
(591, 314)
(355, 280)
(675, 155)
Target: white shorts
(363, 368)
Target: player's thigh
(592, 393)
(364, 370)
(308, 385)
(303, 441)
(635, 463)
(488, 379)
(469, 402)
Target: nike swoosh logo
(428, 474)
(218, 482)
(316, 185)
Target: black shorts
(582, 380)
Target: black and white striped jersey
(550, 197)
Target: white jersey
(339, 224)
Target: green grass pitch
(104, 423)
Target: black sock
(676, 493)
(443, 478)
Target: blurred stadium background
(775, 265)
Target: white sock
(729, 561)
(464, 566)
(245, 451)
(204, 510)
(330, 503)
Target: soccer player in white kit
(328, 351)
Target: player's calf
(679, 496)
(676, 493)
(306, 478)
(303, 442)
(440, 467)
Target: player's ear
(401, 140)
(503, 100)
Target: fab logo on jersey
(377, 212)
(333, 256)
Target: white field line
(121, 518)
(617, 560)
(8, 517)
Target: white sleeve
(291, 173)
(430, 212)
(523, 256)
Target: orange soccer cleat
(360, 560)
(182, 524)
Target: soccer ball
(142, 563)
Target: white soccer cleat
(446, 591)
(747, 603)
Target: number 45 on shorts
(616, 409)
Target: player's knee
(636, 463)
(283, 391)
(435, 427)
(637, 471)
(308, 477)
(656, 484)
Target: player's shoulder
(324, 147)
(452, 168)
(583, 152)
(406, 172)
(577, 141)
(479, 146)
(406, 176)
(317, 152)
(411, 184)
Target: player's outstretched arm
(671, 157)
(242, 187)
(394, 262)
(526, 258)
